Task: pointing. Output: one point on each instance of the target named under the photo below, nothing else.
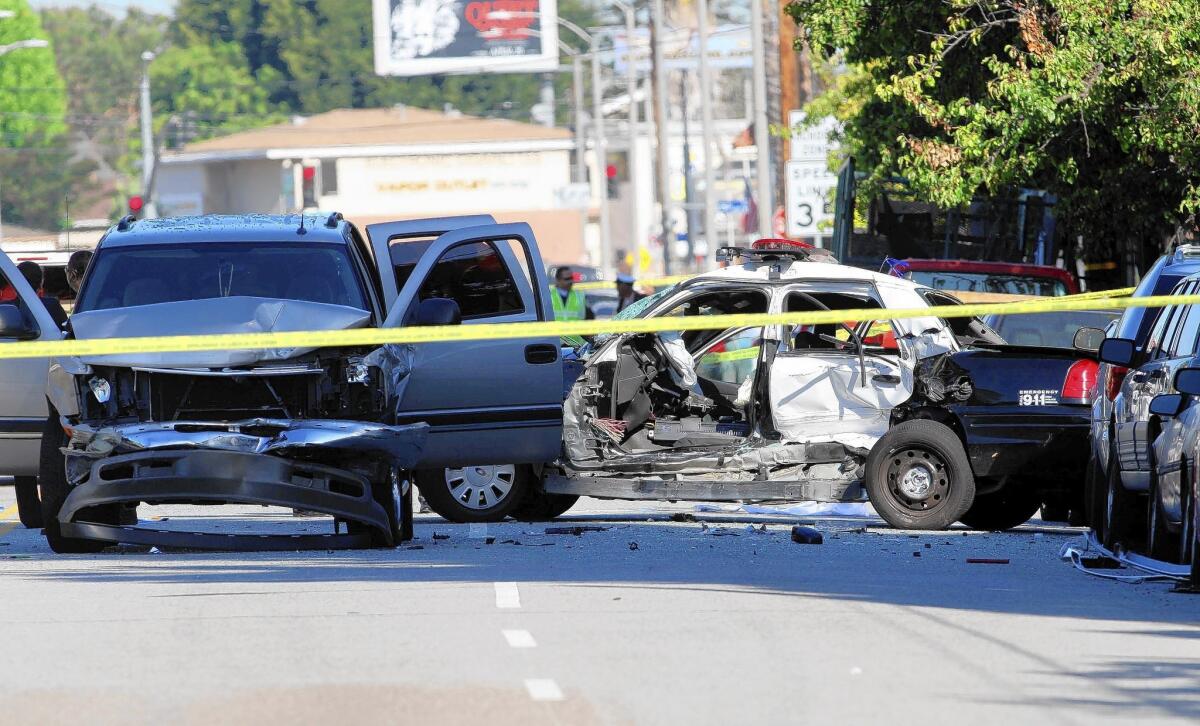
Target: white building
(383, 164)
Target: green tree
(1097, 101)
(33, 101)
(99, 57)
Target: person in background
(32, 272)
(626, 295)
(568, 303)
(77, 265)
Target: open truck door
(22, 387)
(488, 401)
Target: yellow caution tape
(558, 328)
(726, 356)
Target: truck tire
(476, 493)
(539, 506)
(918, 476)
(1094, 493)
(52, 474)
(29, 504)
(389, 493)
(1010, 507)
(1121, 508)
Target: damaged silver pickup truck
(336, 431)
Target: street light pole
(147, 138)
(706, 123)
(601, 157)
(662, 130)
(580, 139)
(633, 156)
(762, 142)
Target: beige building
(382, 164)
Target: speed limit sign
(809, 198)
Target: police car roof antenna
(302, 230)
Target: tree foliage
(1097, 101)
(33, 99)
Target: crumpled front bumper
(247, 462)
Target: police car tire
(540, 506)
(941, 448)
(29, 504)
(1009, 507)
(432, 483)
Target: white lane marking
(477, 530)
(519, 638)
(543, 689)
(507, 595)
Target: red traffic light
(309, 173)
(136, 203)
(610, 171)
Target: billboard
(425, 37)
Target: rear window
(989, 282)
(1050, 330)
(132, 276)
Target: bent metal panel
(425, 37)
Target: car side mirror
(1187, 380)
(14, 325)
(1166, 404)
(1117, 351)
(437, 311)
(1089, 339)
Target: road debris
(576, 530)
(987, 561)
(439, 535)
(806, 535)
(633, 546)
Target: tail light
(1116, 376)
(1081, 379)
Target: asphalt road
(642, 622)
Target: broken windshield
(132, 276)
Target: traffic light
(610, 181)
(308, 177)
(136, 205)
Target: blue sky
(161, 6)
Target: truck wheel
(539, 506)
(391, 496)
(52, 474)
(475, 493)
(1160, 543)
(1120, 507)
(29, 504)
(1010, 507)
(918, 476)
(1190, 538)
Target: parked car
(933, 420)
(992, 277)
(333, 430)
(1118, 469)
(1173, 533)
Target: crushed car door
(832, 380)
(22, 380)
(487, 401)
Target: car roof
(226, 228)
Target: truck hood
(224, 315)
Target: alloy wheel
(481, 487)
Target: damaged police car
(933, 420)
(334, 430)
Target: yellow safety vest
(573, 309)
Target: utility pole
(601, 158)
(662, 130)
(706, 124)
(632, 157)
(762, 141)
(147, 138)
(580, 139)
(689, 206)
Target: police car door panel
(819, 395)
(487, 401)
(23, 381)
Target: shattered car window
(635, 309)
(145, 275)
